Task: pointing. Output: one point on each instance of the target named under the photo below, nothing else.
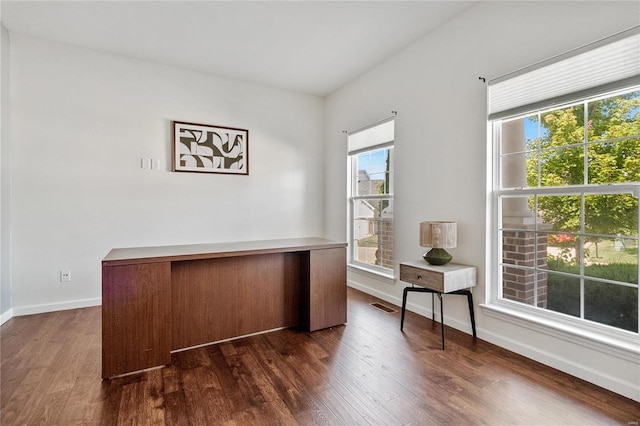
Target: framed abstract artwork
(210, 149)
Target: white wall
(81, 122)
(440, 151)
(5, 178)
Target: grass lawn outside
(607, 253)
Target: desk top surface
(133, 255)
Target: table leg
(473, 318)
(404, 306)
(441, 319)
(440, 296)
(470, 302)
(433, 312)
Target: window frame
(353, 198)
(609, 339)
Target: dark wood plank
(365, 372)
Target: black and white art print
(210, 149)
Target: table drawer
(421, 277)
(443, 278)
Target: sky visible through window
(373, 162)
(531, 129)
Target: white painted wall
(5, 178)
(81, 122)
(440, 151)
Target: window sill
(387, 277)
(625, 347)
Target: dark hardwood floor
(366, 372)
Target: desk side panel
(216, 299)
(136, 317)
(327, 289)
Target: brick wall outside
(384, 254)
(519, 249)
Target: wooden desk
(161, 299)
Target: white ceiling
(308, 46)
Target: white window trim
(382, 273)
(609, 340)
(380, 140)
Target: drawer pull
(419, 277)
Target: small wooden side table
(451, 278)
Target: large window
(371, 197)
(566, 181)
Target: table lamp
(438, 236)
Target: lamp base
(437, 256)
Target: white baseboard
(6, 316)
(418, 309)
(380, 295)
(614, 384)
(52, 307)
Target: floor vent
(382, 307)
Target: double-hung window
(371, 197)
(565, 187)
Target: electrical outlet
(65, 276)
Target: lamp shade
(438, 234)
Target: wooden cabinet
(136, 317)
(159, 299)
(325, 290)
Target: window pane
(562, 166)
(516, 211)
(611, 214)
(373, 231)
(562, 127)
(518, 146)
(611, 304)
(373, 168)
(614, 117)
(560, 212)
(561, 250)
(615, 161)
(373, 209)
(521, 135)
(613, 259)
(563, 293)
(519, 170)
(518, 284)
